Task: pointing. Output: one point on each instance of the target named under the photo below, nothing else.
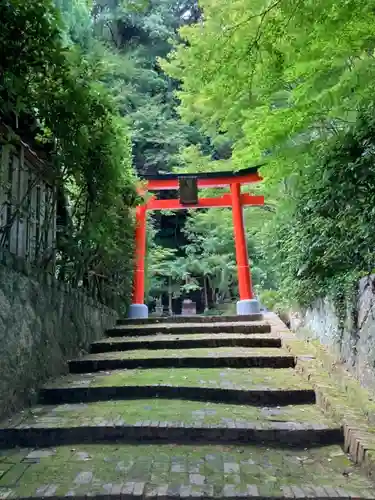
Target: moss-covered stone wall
(348, 329)
(43, 323)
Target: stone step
(192, 319)
(260, 386)
(293, 434)
(156, 471)
(191, 358)
(186, 342)
(173, 421)
(185, 327)
(161, 418)
(240, 379)
(269, 397)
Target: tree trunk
(170, 293)
(205, 294)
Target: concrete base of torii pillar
(138, 311)
(247, 307)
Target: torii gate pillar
(138, 308)
(247, 303)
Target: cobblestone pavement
(175, 469)
(222, 471)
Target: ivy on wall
(88, 142)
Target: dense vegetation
(291, 83)
(50, 77)
(285, 83)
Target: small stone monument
(159, 308)
(189, 308)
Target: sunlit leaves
(287, 82)
(235, 64)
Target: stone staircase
(193, 407)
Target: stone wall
(43, 323)
(351, 338)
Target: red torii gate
(235, 199)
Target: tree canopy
(275, 76)
(290, 83)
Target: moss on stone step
(90, 468)
(190, 353)
(224, 378)
(161, 410)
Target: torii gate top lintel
(159, 182)
(172, 181)
(235, 199)
(156, 182)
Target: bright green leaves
(321, 239)
(136, 6)
(236, 65)
(287, 81)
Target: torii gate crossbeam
(247, 303)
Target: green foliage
(136, 34)
(210, 251)
(275, 76)
(161, 265)
(78, 23)
(324, 240)
(29, 50)
(273, 300)
(88, 141)
(291, 83)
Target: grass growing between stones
(163, 410)
(190, 353)
(188, 336)
(225, 378)
(91, 468)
